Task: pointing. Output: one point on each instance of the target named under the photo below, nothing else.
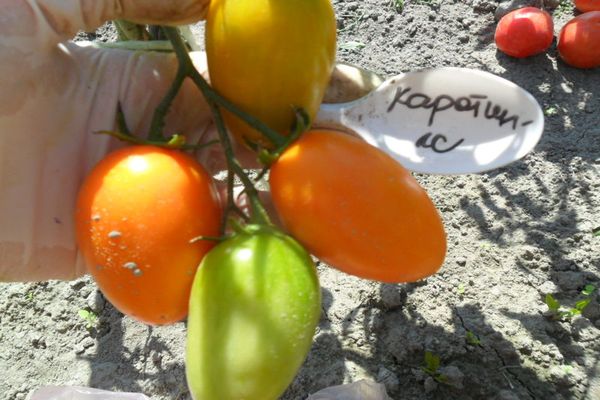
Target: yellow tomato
(267, 56)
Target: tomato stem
(209, 238)
(158, 119)
(230, 199)
(126, 137)
(210, 94)
(163, 46)
(259, 214)
(301, 124)
(121, 121)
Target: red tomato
(587, 5)
(357, 209)
(524, 32)
(137, 212)
(579, 41)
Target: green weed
(352, 45)
(89, 317)
(564, 7)
(355, 22)
(398, 5)
(431, 367)
(472, 339)
(558, 312)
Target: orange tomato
(587, 5)
(357, 209)
(579, 41)
(137, 213)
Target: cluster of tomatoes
(150, 223)
(529, 31)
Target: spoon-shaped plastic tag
(444, 120)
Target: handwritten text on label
(475, 103)
(427, 141)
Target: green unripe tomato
(254, 307)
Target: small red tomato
(587, 5)
(579, 41)
(524, 32)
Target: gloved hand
(53, 95)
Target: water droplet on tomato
(114, 234)
(130, 265)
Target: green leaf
(582, 304)
(472, 338)
(596, 232)
(176, 141)
(398, 5)
(432, 361)
(551, 302)
(85, 314)
(588, 290)
(352, 45)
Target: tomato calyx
(155, 137)
(253, 229)
(300, 125)
(176, 141)
(238, 227)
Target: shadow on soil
(543, 214)
(488, 365)
(118, 368)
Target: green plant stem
(160, 113)
(181, 51)
(137, 45)
(259, 215)
(230, 200)
(121, 122)
(209, 238)
(160, 143)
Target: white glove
(53, 95)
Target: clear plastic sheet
(360, 390)
(81, 393)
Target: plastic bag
(81, 393)
(360, 390)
